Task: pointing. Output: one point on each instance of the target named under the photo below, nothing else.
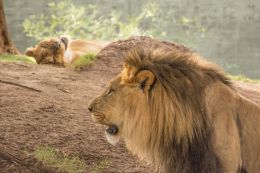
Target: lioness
(181, 113)
(62, 50)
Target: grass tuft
(84, 60)
(17, 58)
(99, 167)
(64, 163)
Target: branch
(12, 83)
(62, 89)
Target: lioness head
(49, 51)
(126, 94)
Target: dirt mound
(111, 57)
(41, 105)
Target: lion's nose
(90, 108)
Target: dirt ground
(52, 111)
(56, 116)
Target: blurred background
(226, 32)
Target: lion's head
(49, 51)
(111, 107)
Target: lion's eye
(110, 91)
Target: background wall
(232, 39)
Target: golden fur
(181, 113)
(62, 50)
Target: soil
(52, 111)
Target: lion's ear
(145, 78)
(29, 52)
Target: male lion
(181, 113)
(62, 50)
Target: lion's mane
(174, 131)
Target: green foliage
(17, 58)
(83, 61)
(88, 22)
(64, 18)
(64, 163)
(168, 25)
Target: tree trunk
(6, 45)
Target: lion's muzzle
(99, 118)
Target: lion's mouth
(112, 134)
(100, 118)
(112, 130)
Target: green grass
(243, 78)
(83, 61)
(17, 58)
(99, 167)
(79, 63)
(64, 163)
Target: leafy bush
(88, 22)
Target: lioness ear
(145, 78)
(29, 52)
